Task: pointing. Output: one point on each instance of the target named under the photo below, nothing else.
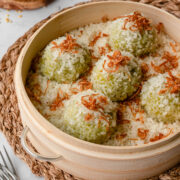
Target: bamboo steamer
(80, 158)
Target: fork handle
(32, 153)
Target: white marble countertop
(9, 33)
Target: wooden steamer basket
(77, 157)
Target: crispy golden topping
(120, 136)
(161, 136)
(90, 102)
(105, 35)
(115, 61)
(136, 94)
(84, 84)
(140, 23)
(104, 19)
(170, 62)
(81, 32)
(136, 110)
(68, 45)
(97, 37)
(58, 102)
(142, 133)
(173, 46)
(92, 55)
(88, 117)
(144, 68)
(48, 81)
(93, 42)
(102, 50)
(160, 27)
(109, 47)
(172, 84)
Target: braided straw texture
(10, 121)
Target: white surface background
(9, 33)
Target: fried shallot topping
(93, 42)
(144, 68)
(68, 45)
(173, 46)
(92, 102)
(104, 19)
(84, 84)
(171, 62)
(115, 61)
(172, 84)
(160, 27)
(161, 136)
(48, 81)
(140, 23)
(108, 47)
(97, 37)
(120, 114)
(137, 112)
(142, 133)
(58, 102)
(88, 117)
(120, 136)
(102, 51)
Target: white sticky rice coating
(129, 131)
(118, 85)
(132, 41)
(84, 36)
(162, 107)
(93, 130)
(64, 67)
(56, 117)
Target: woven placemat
(10, 121)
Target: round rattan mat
(10, 121)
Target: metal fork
(5, 172)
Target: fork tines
(5, 173)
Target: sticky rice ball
(64, 60)
(90, 116)
(159, 100)
(116, 75)
(133, 33)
